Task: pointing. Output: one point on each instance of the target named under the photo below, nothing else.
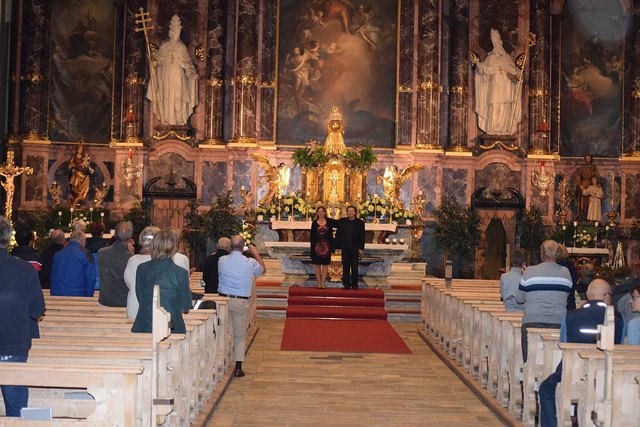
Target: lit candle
(71, 210)
(375, 196)
(564, 227)
(55, 183)
(395, 240)
(386, 240)
(402, 241)
(59, 213)
(575, 223)
(607, 228)
(242, 188)
(596, 223)
(101, 214)
(420, 193)
(130, 153)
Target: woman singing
(321, 245)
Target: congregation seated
(74, 272)
(57, 243)
(25, 251)
(96, 241)
(510, 281)
(173, 282)
(625, 279)
(111, 267)
(633, 328)
(578, 326)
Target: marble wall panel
(214, 181)
(427, 184)
(541, 202)
(241, 177)
(632, 195)
(497, 175)
(33, 190)
(503, 16)
(454, 182)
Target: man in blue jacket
(21, 304)
(73, 272)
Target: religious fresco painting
(82, 46)
(335, 52)
(592, 77)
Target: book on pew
(39, 414)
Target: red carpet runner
(339, 320)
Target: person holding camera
(235, 281)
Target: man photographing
(235, 273)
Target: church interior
(460, 130)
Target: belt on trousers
(231, 296)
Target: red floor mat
(335, 301)
(329, 312)
(342, 335)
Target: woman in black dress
(321, 245)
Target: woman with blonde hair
(175, 295)
(321, 245)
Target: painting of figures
(592, 78)
(342, 53)
(81, 70)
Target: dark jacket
(73, 273)
(175, 295)
(32, 256)
(94, 244)
(21, 304)
(112, 261)
(350, 234)
(47, 263)
(210, 271)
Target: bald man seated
(577, 327)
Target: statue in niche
(496, 77)
(173, 88)
(595, 193)
(582, 180)
(80, 172)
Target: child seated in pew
(510, 280)
(578, 326)
(633, 328)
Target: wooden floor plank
(294, 388)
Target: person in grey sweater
(510, 281)
(543, 290)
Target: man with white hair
(578, 326)
(74, 272)
(21, 304)
(543, 290)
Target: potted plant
(532, 233)
(456, 232)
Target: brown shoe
(238, 373)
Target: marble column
(244, 83)
(28, 81)
(632, 102)
(459, 76)
(429, 87)
(268, 72)
(214, 85)
(539, 78)
(405, 89)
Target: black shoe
(238, 373)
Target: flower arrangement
(248, 232)
(291, 207)
(379, 209)
(585, 236)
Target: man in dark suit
(350, 239)
(210, 266)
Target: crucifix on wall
(9, 171)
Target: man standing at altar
(350, 240)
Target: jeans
(15, 397)
(547, 395)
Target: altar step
(402, 305)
